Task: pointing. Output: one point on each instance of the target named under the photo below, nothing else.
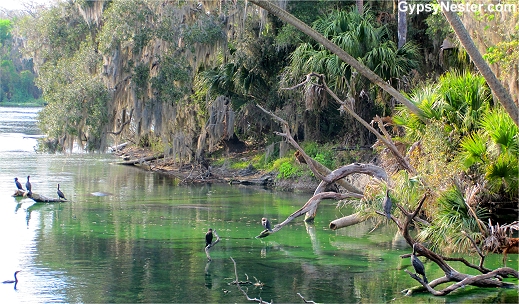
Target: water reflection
(131, 236)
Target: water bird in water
(28, 186)
(18, 185)
(418, 265)
(266, 224)
(387, 204)
(60, 194)
(209, 237)
(15, 278)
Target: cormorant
(15, 278)
(386, 204)
(28, 186)
(209, 237)
(266, 224)
(18, 185)
(418, 265)
(60, 194)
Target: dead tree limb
(349, 220)
(237, 282)
(342, 172)
(140, 160)
(314, 200)
(317, 168)
(305, 300)
(37, 197)
(125, 122)
(345, 106)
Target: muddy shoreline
(145, 159)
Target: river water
(143, 239)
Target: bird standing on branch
(387, 204)
(18, 185)
(60, 194)
(266, 224)
(418, 265)
(209, 237)
(28, 186)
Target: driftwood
(118, 147)
(349, 220)
(261, 181)
(140, 160)
(37, 197)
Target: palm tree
(360, 37)
(342, 54)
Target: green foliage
(458, 101)
(126, 25)
(140, 78)
(454, 216)
(173, 81)
(361, 37)
(286, 170)
(206, 31)
(55, 33)
(465, 97)
(493, 151)
(5, 30)
(324, 154)
(77, 100)
(16, 76)
(506, 54)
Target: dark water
(144, 241)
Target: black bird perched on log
(266, 224)
(15, 278)
(28, 186)
(18, 185)
(387, 204)
(60, 194)
(418, 265)
(209, 237)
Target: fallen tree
(37, 197)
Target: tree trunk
(332, 47)
(495, 85)
(360, 6)
(402, 25)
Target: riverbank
(214, 171)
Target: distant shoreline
(31, 104)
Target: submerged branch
(237, 283)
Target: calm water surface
(144, 241)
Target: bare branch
(241, 289)
(314, 200)
(304, 300)
(307, 79)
